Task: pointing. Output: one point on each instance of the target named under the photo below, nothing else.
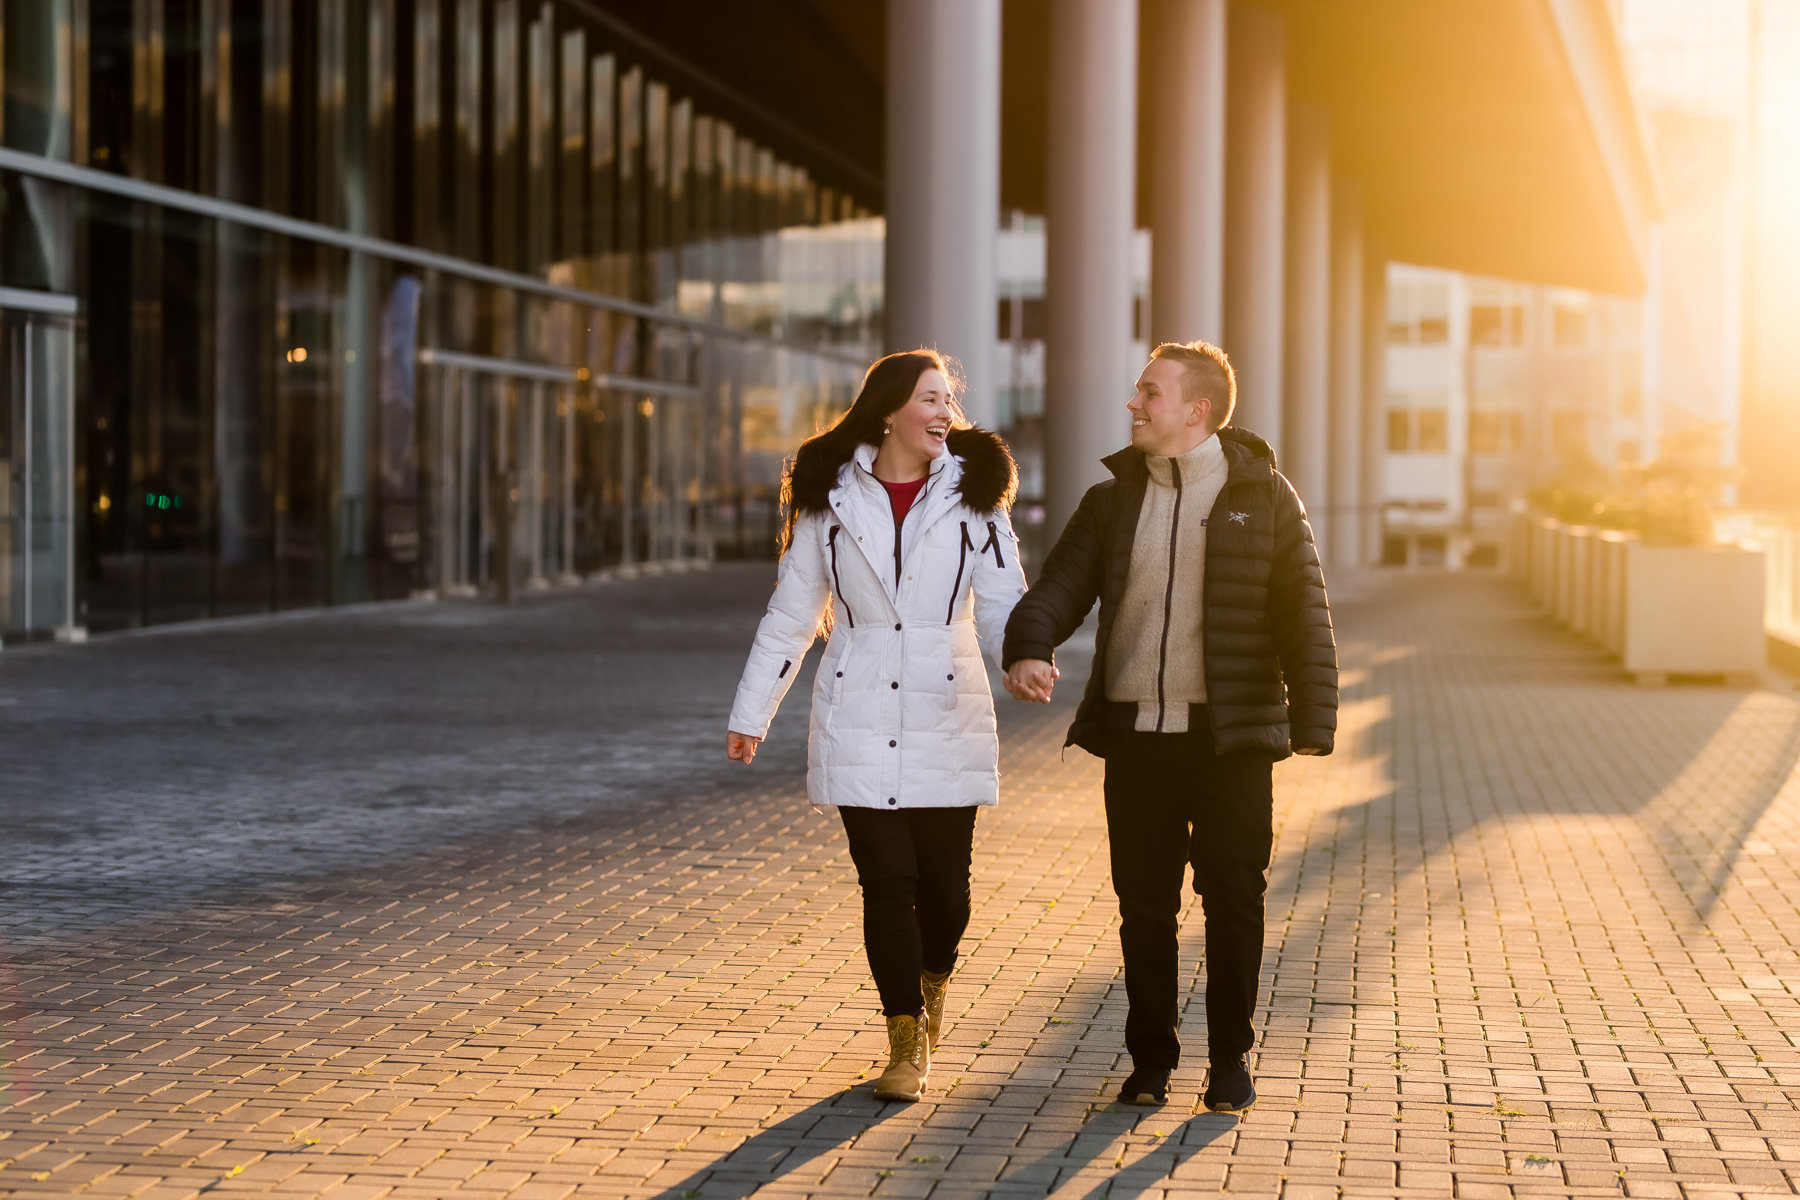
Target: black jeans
(913, 864)
(1171, 801)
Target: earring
(887, 430)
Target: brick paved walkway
(1531, 927)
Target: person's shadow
(831, 1123)
(785, 1147)
(1056, 1167)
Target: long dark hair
(886, 387)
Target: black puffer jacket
(1271, 662)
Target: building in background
(1496, 388)
(310, 303)
(325, 302)
(1492, 389)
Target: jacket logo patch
(1240, 517)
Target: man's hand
(1031, 679)
(1309, 750)
(741, 747)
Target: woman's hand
(741, 747)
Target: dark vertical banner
(399, 457)
(427, 126)
(572, 131)
(602, 160)
(540, 142)
(465, 192)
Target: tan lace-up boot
(909, 1060)
(934, 987)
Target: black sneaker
(1147, 1086)
(1229, 1088)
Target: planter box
(1576, 576)
(1543, 558)
(1693, 610)
(1609, 589)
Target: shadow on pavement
(1479, 711)
(785, 1147)
(1151, 1171)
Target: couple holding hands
(1214, 659)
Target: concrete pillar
(1348, 422)
(1255, 207)
(1306, 432)
(943, 185)
(1186, 75)
(1374, 398)
(1089, 214)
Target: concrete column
(943, 184)
(1186, 75)
(1255, 207)
(1089, 214)
(1347, 335)
(1306, 432)
(1374, 398)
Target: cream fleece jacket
(1156, 658)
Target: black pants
(1171, 801)
(913, 865)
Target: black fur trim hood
(990, 480)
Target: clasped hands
(1031, 679)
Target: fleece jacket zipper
(1162, 660)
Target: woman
(897, 545)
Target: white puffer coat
(902, 716)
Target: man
(1214, 660)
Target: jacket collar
(859, 472)
(862, 504)
(1248, 457)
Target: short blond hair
(1207, 376)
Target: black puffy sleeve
(1066, 588)
(1300, 619)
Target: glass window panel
(1399, 430)
(428, 84)
(1571, 327)
(1434, 430)
(572, 235)
(1433, 301)
(602, 155)
(681, 162)
(465, 190)
(631, 148)
(1497, 325)
(1399, 314)
(506, 162)
(656, 166)
(540, 143)
(704, 185)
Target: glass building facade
(307, 302)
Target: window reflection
(269, 388)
